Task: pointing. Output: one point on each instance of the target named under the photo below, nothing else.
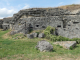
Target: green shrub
(49, 30)
(49, 35)
(30, 30)
(38, 33)
(71, 48)
(76, 39)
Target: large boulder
(30, 36)
(66, 44)
(41, 35)
(44, 46)
(35, 34)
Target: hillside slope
(70, 7)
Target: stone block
(66, 44)
(41, 35)
(44, 46)
(30, 36)
(35, 34)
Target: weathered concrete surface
(44, 46)
(66, 44)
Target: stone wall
(38, 23)
(72, 29)
(6, 23)
(67, 23)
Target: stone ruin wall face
(72, 29)
(66, 23)
(38, 23)
(6, 23)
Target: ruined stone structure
(37, 19)
(66, 22)
(1, 22)
(6, 23)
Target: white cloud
(8, 10)
(26, 6)
(4, 12)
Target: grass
(24, 49)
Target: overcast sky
(9, 7)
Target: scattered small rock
(16, 38)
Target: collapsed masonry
(67, 23)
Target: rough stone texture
(6, 23)
(66, 44)
(44, 46)
(30, 36)
(38, 23)
(67, 23)
(35, 34)
(41, 35)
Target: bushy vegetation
(49, 34)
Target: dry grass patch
(70, 7)
(23, 57)
(7, 35)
